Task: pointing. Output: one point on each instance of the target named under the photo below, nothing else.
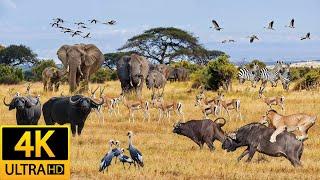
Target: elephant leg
(50, 85)
(44, 85)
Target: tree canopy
(17, 54)
(163, 45)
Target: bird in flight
(231, 41)
(79, 23)
(252, 38)
(83, 27)
(76, 33)
(270, 25)
(112, 22)
(93, 21)
(54, 24)
(68, 31)
(58, 20)
(291, 25)
(216, 25)
(87, 36)
(228, 41)
(306, 37)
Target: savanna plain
(170, 156)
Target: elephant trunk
(72, 78)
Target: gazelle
(98, 110)
(136, 106)
(228, 105)
(111, 103)
(276, 101)
(207, 105)
(167, 107)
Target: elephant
(164, 69)
(156, 80)
(132, 71)
(81, 61)
(179, 74)
(51, 76)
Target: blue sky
(27, 22)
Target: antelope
(269, 101)
(135, 106)
(98, 110)
(111, 103)
(210, 106)
(227, 105)
(167, 107)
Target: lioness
(301, 122)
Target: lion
(301, 122)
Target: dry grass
(169, 156)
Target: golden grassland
(169, 156)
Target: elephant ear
(62, 55)
(92, 54)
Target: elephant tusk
(79, 69)
(139, 82)
(68, 68)
(131, 83)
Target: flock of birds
(80, 26)
(255, 37)
(117, 152)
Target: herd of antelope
(215, 106)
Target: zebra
(249, 75)
(270, 75)
(285, 77)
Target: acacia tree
(162, 45)
(17, 54)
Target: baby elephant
(51, 76)
(202, 131)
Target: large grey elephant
(81, 61)
(164, 69)
(156, 80)
(132, 71)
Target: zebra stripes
(249, 75)
(281, 71)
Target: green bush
(103, 74)
(218, 73)
(39, 67)
(10, 75)
(310, 80)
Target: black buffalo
(73, 110)
(256, 137)
(28, 109)
(202, 131)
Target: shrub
(310, 80)
(10, 75)
(39, 67)
(218, 73)
(103, 74)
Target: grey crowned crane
(116, 151)
(215, 25)
(125, 159)
(291, 25)
(134, 153)
(306, 37)
(252, 38)
(270, 25)
(107, 159)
